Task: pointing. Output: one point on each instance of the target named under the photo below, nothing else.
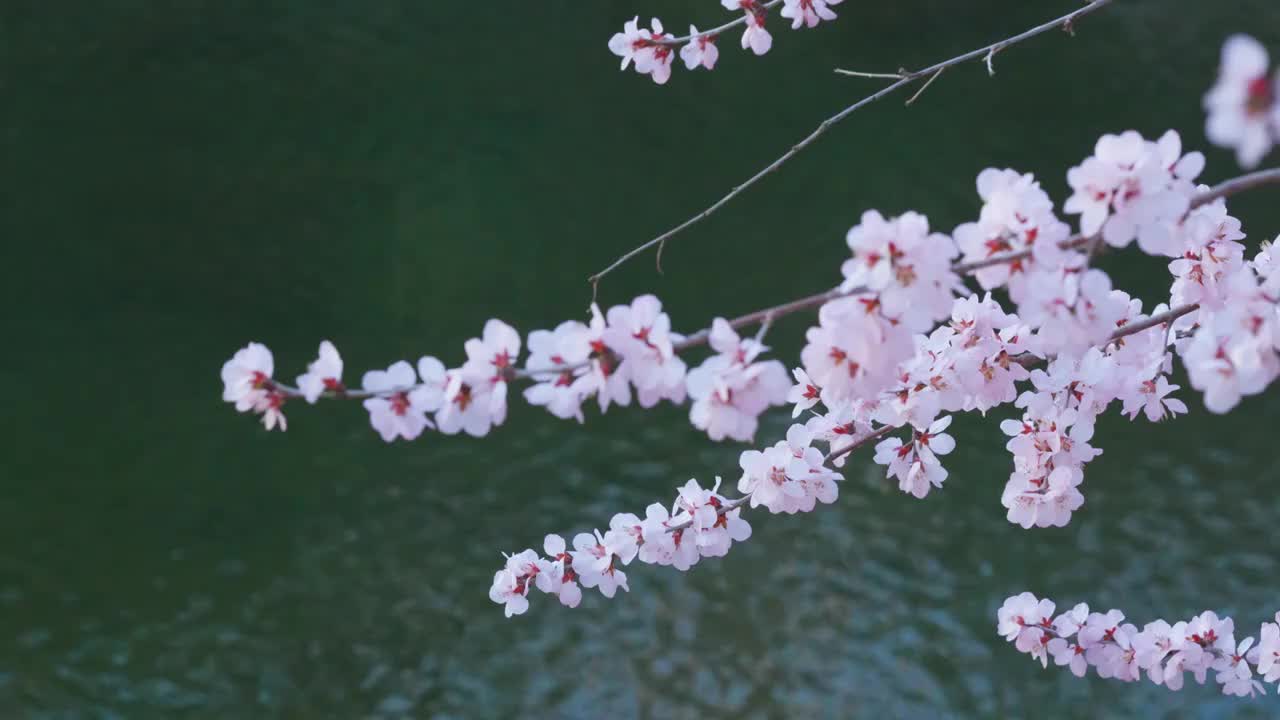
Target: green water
(181, 178)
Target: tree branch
(1224, 189)
(904, 78)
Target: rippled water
(182, 179)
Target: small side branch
(901, 79)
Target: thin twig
(882, 76)
(764, 328)
(924, 87)
(1235, 185)
(905, 79)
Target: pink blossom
(700, 51)
(324, 374)
(246, 377)
(804, 394)
(607, 379)
(491, 361)
(916, 464)
(595, 562)
(631, 41)
(907, 265)
(808, 12)
(1026, 621)
(467, 404)
(557, 576)
(1267, 654)
(641, 334)
(556, 360)
(510, 592)
(1151, 401)
(755, 36)
(401, 406)
(1243, 110)
(730, 390)
(1133, 188)
(1017, 215)
(1067, 653)
(1234, 674)
(644, 48)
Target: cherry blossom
(700, 51)
(633, 40)
(1133, 188)
(1152, 402)
(246, 382)
(808, 12)
(1243, 106)
(490, 365)
(272, 415)
(605, 378)
(1070, 654)
(854, 350)
(1209, 257)
(556, 360)
(1075, 314)
(788, 477)
(324, 374)
(655, 60)
(509, 591)
(1162, 651)
(595, 561)
(1026, 622)
(916, 464)
(643, 48)
(556, 574)
(246, 377)
(770, 476)
(1234, 673)
(730, 390)
(845, 424)
(909, 267)
(1267, 655)
(401, 406)
(755, 36)
(1016, 215)
(468, 404)
(641, 334)
(804, 394)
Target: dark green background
(183, 177)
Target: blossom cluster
(1163, 652)
(1229, 344)
(905, 345)
(402, 400)
(700, 523)
(869, 359)
(630, 351)
(1244, 105)
(651, 50)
